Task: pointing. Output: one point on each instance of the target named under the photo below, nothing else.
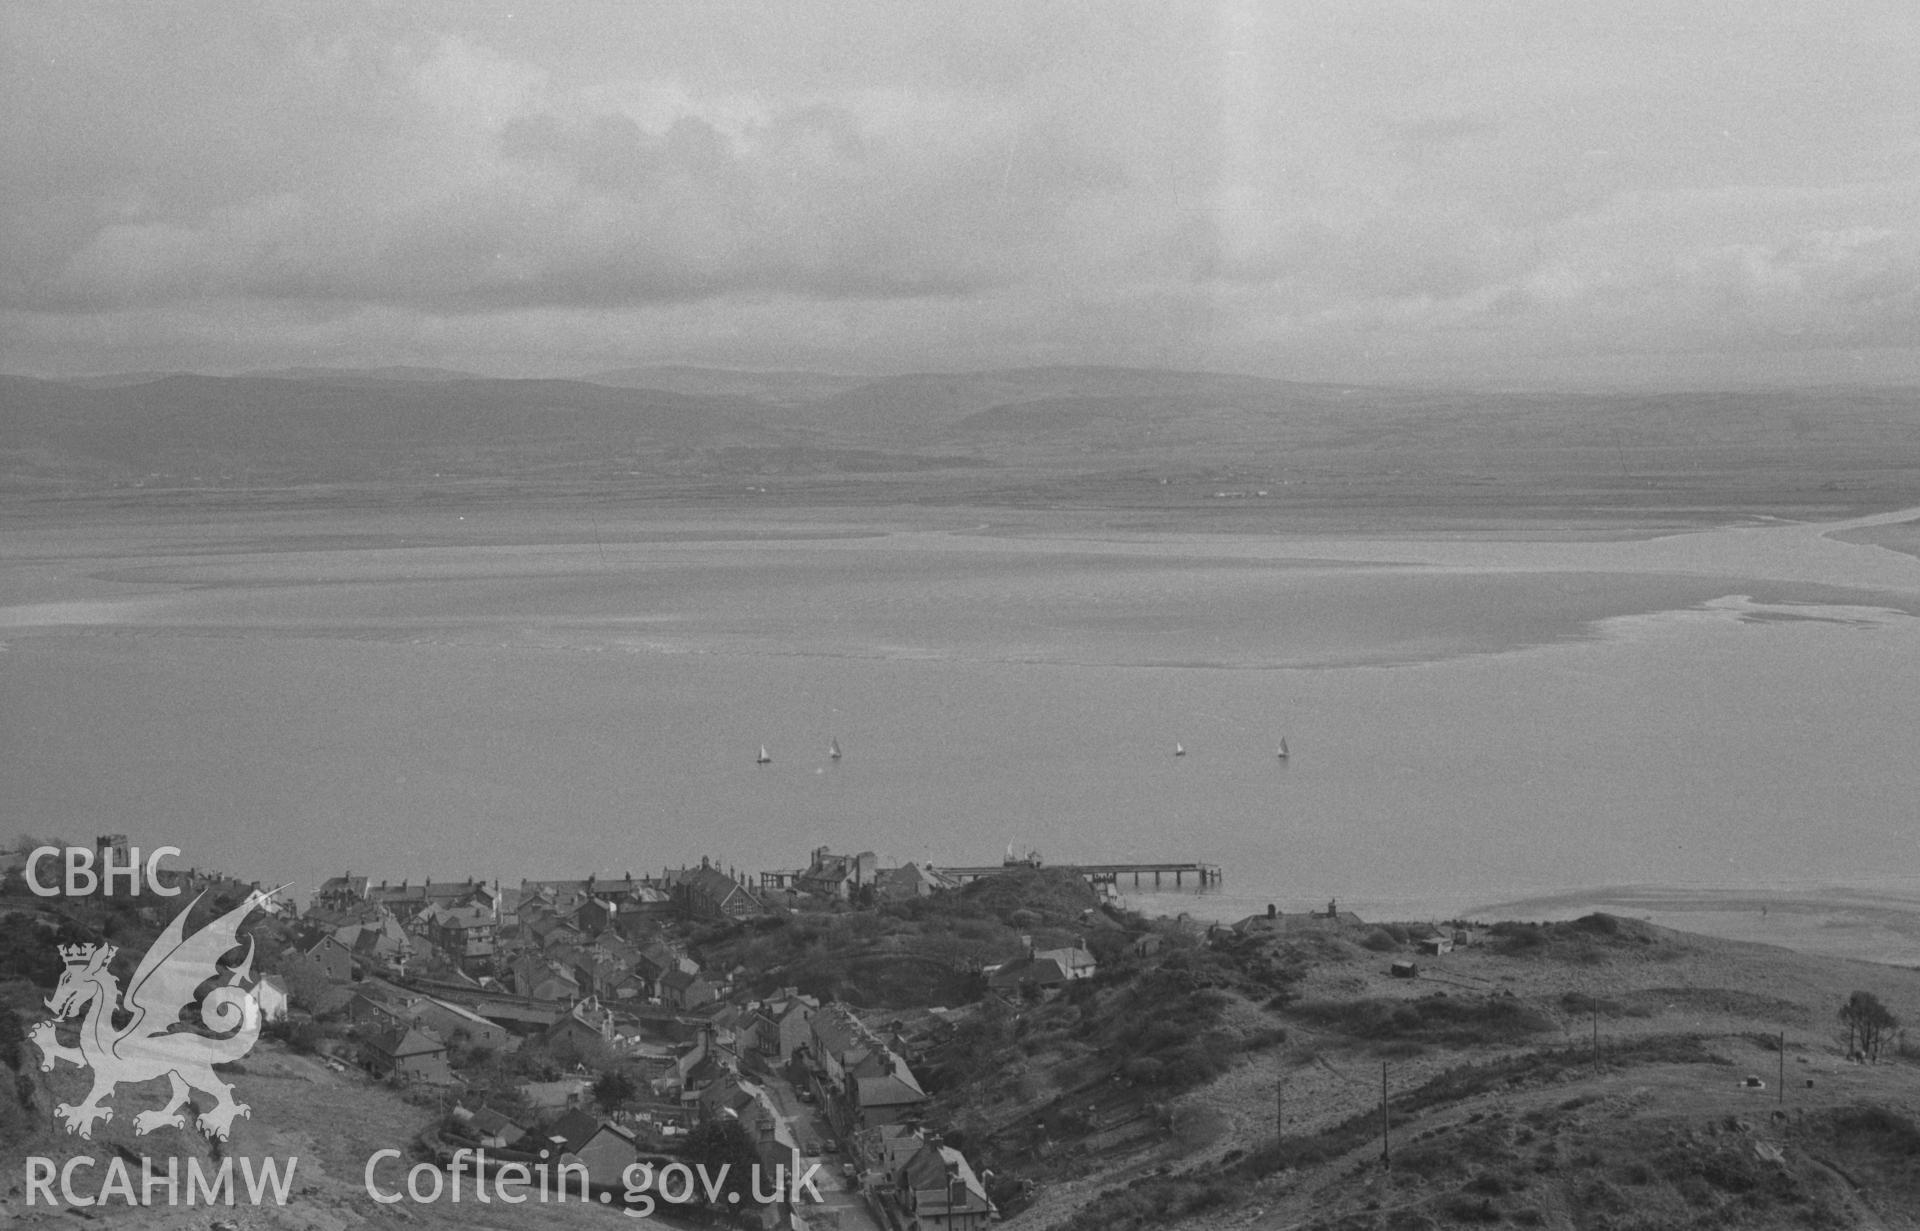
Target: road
(845, 1208)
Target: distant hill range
(1059, 435)
(773, 388)
(366, 376)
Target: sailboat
(1179, 749)
(833, 749)
(1282, 754)
(765, 758)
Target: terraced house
(861, 1082)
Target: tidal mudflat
(1474, 717)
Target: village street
(844, 1207)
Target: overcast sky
(1536, 191)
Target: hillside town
(576, 1017)
(843, 1022)
(639, 1044)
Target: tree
(1869, 1024)
(613, 1089)
(719, 1143)
(307, 986)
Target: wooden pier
(1176, 875)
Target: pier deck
(1179, 875)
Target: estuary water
(1471, 718)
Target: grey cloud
(1271, 186)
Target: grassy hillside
(1601, 1073)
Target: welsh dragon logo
(154, 1041)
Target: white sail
(1282, 754)
(1179, 750)
(765, 756)
(833, 749)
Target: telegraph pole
(1280, 1105)
(1780, 1095)
(1386, 1124)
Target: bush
(1580, 1002)
(302, 1035)
(1380, 941)
(1875, 1130)
(1461, 1208)
(1431, 1019)
(1517, 938)
(1426, 1161)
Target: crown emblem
(82, 955)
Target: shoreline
(1857, 923)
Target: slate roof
(943, 1169)
(399, 1042)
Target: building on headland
(910, 880)
(840, 877)
(708, 893)
(1043, 968)
(1276, 921)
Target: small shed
(1404, 969)
(1436, 945)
